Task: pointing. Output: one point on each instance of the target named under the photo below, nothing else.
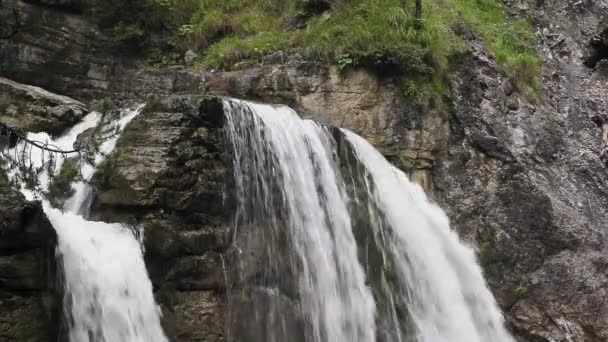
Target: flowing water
(289, 163)
(372, 258)
(335, 244)
(107, 293)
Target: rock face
(359, 100)
(168, 173)
(29, 300)
(520, 178)
(532, 193)
(33, 109)
(62, 52)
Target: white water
(448, 297)
(280, 158)
(107, 293)
(334, 297)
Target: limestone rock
(190, 57)
(34, 109)
(168, 173)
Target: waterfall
(289, 163)
(355, 247)
(107, 293)
(448, 298)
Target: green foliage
(232, 50)
(106, 104)
(127, 21)
(344, 60)
(60, 185)
(521, 290)
(464, 155)
(377, 34)
(103, 176)
(511, 42)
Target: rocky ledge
(33, 109)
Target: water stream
(107, 293)
(374, 258)
(340, 244)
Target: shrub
(60, 186)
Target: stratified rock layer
(168, 173)
(33, 109)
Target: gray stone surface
(520, 178)
(33, 109)
(29, 299)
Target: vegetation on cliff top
(379, 34)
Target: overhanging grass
(512, 42)
(378, 34)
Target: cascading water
(447, 296)
(107, 293)
(372, 258)
(289, 163)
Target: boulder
(33, 109)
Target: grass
(511, 42)
(376, 34)
(232, 50)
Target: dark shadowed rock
(29, 301)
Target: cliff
(520, 176)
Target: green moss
(485, 253)
(106, 104)
(463, 154)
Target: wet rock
(168, 173)
(72, 5)
(598, 46)
(29, 300)
(192, 316)
(61, 51)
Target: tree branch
(38, 144)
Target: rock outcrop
(168, 173)
(532, 192)
(33, 109)
(360, 100)
(29, 300)
(62, 52)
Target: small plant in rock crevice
(463, 154)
